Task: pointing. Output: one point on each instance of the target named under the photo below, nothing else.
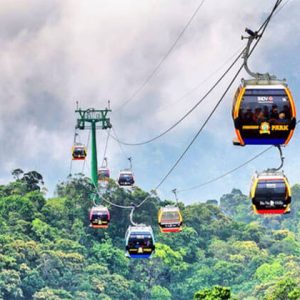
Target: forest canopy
(48, 251)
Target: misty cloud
(54, 53)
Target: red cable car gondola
(99, 217)
(79, 152)
(270, 193)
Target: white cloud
(56, 52)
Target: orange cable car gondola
(264, 113)
(263, 109)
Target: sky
(54, 53)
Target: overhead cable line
(262, 29)
(226, 173)
(106, 145)
(154, 71)
(200, 130)
(281, 7)
(188, 112)
(87, 149)
(118, 142)
(71, 162)
(194, 88)
(212, 88)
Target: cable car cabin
(126, 178)
(99, 217)
(79, 152)
(170, 219)
(139, 241)
(263, 114)
(103, 174)
(270, 193)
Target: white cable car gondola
(140, 241)
(103, 171)
(103, 174)
(126, 178)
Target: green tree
(216, 293)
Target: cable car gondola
(103, 174)
(270, 193)
(103, 171)
(79, 152)
(126, 178)
(139, 241)
(170, 219)
(263, 109)
(264, 113)
(99, 217)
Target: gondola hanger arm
(130, 163)
(131, 215)
(281, 158)
(175, 194)
(253, 35)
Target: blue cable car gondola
(140, 241)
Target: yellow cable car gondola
(263, 109)
(270, 193)
(170, 219)
(264, 113)
(79, 152)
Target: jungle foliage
(48, 251)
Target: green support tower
(93, 119)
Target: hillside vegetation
(48, 251)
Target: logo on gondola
(265, 99)
(264, 128)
